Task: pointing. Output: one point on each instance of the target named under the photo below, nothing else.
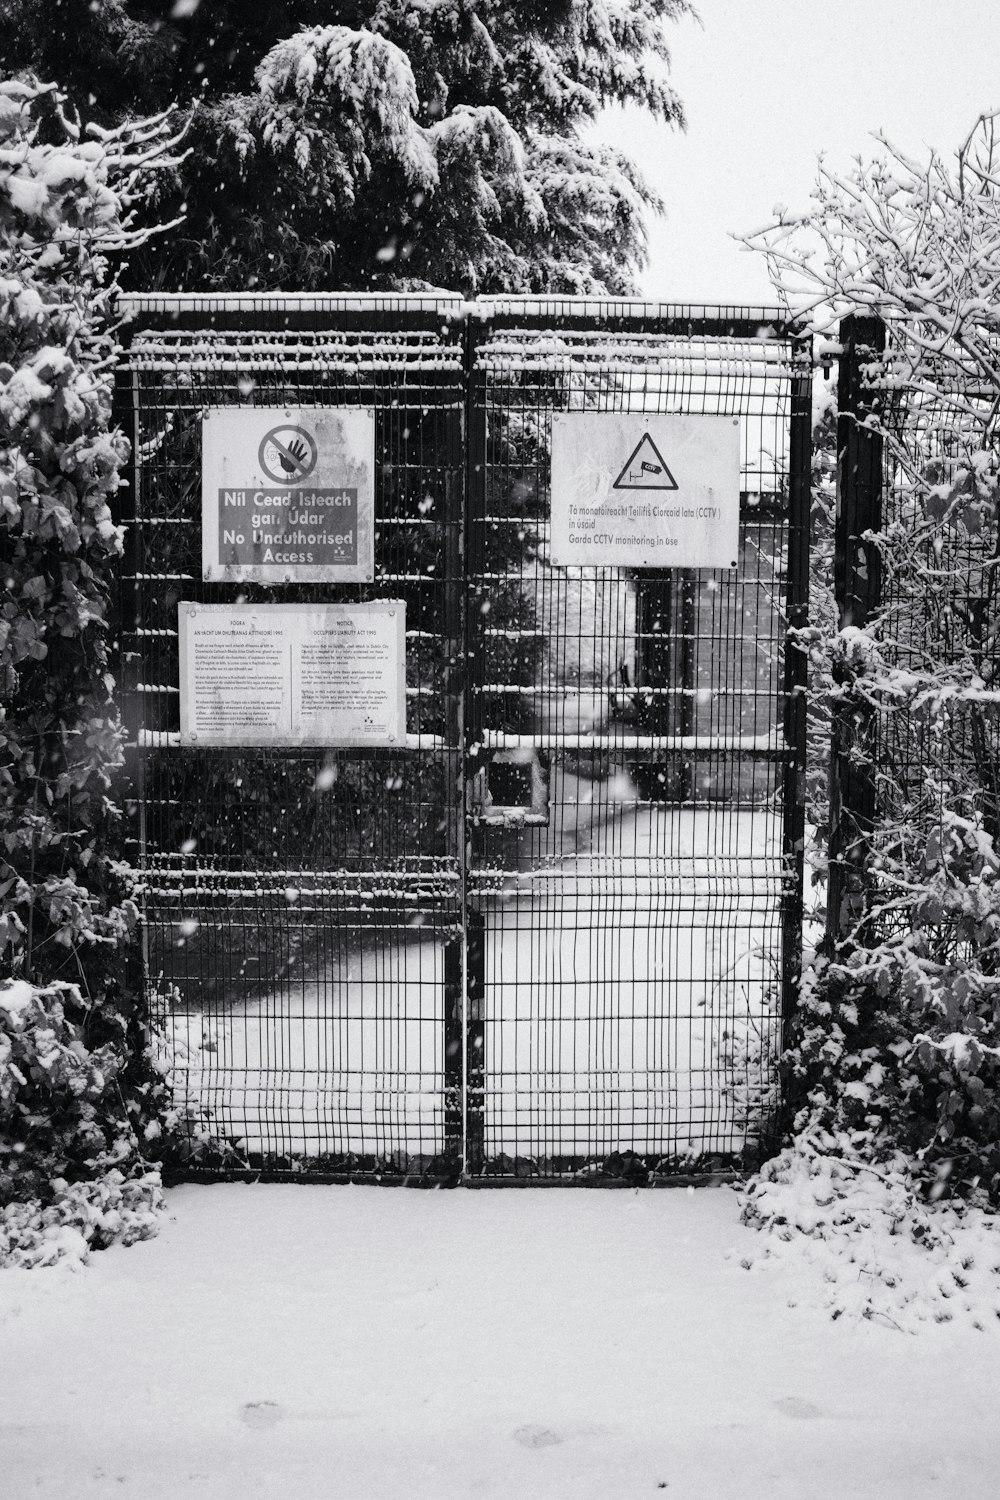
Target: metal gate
(555, 935)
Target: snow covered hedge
(76, 1080)
(72, 1175)
(879, 1250)
(63, 206)
(894, 1060)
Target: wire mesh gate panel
(634, 915)
(303, 907)
(555, 935)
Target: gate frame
(464, 961)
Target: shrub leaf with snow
(72, 1177)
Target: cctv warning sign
(645, 491)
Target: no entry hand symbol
(287, 454)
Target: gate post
(472, 917)
(796, 666)
(858, 586)
(125, 415)
(454, 813)
(666, 627)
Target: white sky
(769, 84)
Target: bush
(895, 1053)
(76, 1083)
(73, 1175)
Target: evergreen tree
(378, 143)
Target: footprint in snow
(796, 1406)
(533, 1436)
(261, 1413)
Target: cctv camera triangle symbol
(645, 469)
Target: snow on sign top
(645, 491)
(287, 494)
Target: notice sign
(645, 491)
(293, 674)
(287, 494)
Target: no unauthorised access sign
(645, 491)
(287, 494)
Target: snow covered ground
(325, 1343)
(618, 972)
